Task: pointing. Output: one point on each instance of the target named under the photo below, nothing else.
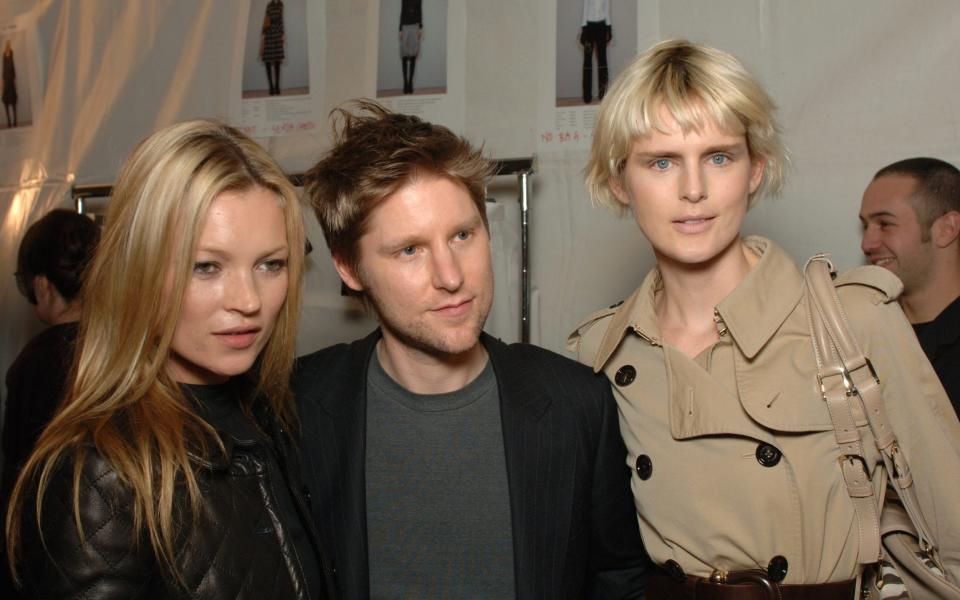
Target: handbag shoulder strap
(848, 378)
(827, 324)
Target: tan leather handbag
(895, 540)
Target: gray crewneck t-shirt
(438, 505)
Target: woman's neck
(685, 306)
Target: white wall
(859, 83)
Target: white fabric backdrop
(859, 84)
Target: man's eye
(408, 251)
(462, 235)
(719, 159)
(661, 163)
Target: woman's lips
(693, 225)
(238, 339)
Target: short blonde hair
(696, 84)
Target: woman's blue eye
(462, 235)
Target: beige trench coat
(733, 452)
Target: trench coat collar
(752, 313)
(637, 313)
(757, 307)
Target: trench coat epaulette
(879, 279)
(580, 344)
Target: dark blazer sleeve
(618, 559)
(106, 562)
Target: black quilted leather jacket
(239, 549)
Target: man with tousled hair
(443, 462)
(911, 226)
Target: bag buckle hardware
(853, 458)
(823, 388)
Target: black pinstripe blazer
(575, 533)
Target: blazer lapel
(338, 453)
(539, 469)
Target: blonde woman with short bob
(736, 474)
(167, 471)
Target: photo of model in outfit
(412, 58)
(596, 31)
(9, 85)
(595, 40)
(411, 30)
(272, 41)
(277, 45)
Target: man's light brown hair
(375, 153)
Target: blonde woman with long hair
(169, 470)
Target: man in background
(911, 219)
(444, 463)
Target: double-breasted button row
(674, 570)
(644, 467)
(625, 375)
(777, 568)
(768, 455)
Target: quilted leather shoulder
(100, 559)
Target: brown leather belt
(663, 586)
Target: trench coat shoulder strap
(584, 341)
(876, 278)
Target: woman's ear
(757, 166)
(618, 189)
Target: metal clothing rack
(522, 168)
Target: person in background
(444, 463)
(169, 470)
(739, 482)
(911, 226)
(51, 262)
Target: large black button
(768, 455)
(644, 467)
(777, 569)
(674, 570)
(625, 375)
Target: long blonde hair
(122, 403)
